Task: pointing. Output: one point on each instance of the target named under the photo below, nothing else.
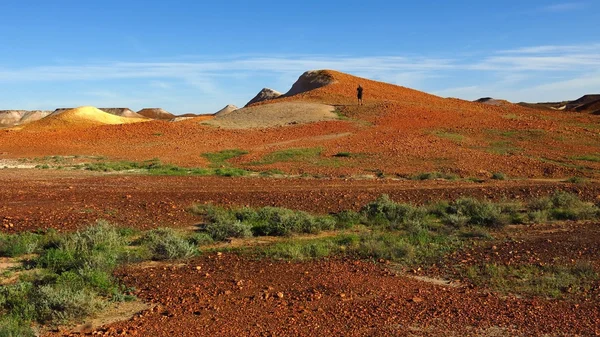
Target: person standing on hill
(359, 94)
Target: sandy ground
(276, 114)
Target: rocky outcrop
(311, 80)
(264, 95)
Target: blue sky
(198, 56)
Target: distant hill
(10, 118)
(156, 113)
(122, 112)
(81, 117)
(492, 101)
(584, 104)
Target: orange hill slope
(399, 131)
(86, 116)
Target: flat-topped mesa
(310, 80)
(156, 113)
(226, 110)
(10, 118)
(264, 95)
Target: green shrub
(382, 246)
(561, 199)
(97, 247)
(538, 216)
(387, 213)
(222, 230)
(438, 209)
(576, 180)
(283, 222)
(201, 239)
(434, 175)
(165, 244)
(13, 327)
(540, 204)
(60, 304)
(302, 250)
(498, 176)
(343, 155)
(347, 219)
(561, 206)
(481, 213)
(13, 245)
(218, 159)
(455, 220)
(230, 172)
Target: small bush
(455, 220)
(60, 304)
(222, 230)
(97, 247)
(13, 327)
(347, 219)
(13, 245)
(434, 175)
(381, 246)
(498, 176)
(283, 222)
(230, 172)
(576, 180)
(439, 208)
(387, 213)
(540, 204)
(481, 213)
(343, 155)
(563, 199)
(201, 239)
(561, 206)
(538, 216)
(302, 250)
(165, 244)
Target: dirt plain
(399, 132)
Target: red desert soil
(228, 295)
(66, 200)
(397, 131)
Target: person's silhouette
(359, 94)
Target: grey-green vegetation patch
(155, 167)
(292, 155)
(453, 136)
(576, 180)
(498, 176)
(519, 134)
(166, 244)
(511, 117)
(434, 175)
(503, 148)
(340, 114)
(219, 159)
(72, 273)
(549, 280)
(221, 223)
(590, 157)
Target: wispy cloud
(221, 68)
(565, 7)
(547, 72)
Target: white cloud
(533, 73)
